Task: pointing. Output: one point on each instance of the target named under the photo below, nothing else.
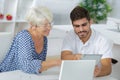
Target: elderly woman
(29, 48)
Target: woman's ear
(34, 27)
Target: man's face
(82, 28)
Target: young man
(84, 40)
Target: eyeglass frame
(46, 25)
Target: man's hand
(77, 56)
(97, 70)
(104, 68)
(68, 55)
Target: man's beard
(82, 34)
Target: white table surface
(51, 74)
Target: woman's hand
(57, 62)
(50, 63)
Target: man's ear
(91, 21)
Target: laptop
(77, 70)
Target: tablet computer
(96, 57)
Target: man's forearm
(105, 67)
(67, 57)
(71, 57)
(105, 70)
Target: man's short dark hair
(79, 13)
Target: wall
(115, 4)
(60, 8)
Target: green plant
(98, 9)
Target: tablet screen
(96, 57)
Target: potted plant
(98, 9)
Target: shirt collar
(90, 40)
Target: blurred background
(62, 8)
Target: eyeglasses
(47, 25)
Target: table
(51, 74)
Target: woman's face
(44, 28)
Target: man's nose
(80, 28)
